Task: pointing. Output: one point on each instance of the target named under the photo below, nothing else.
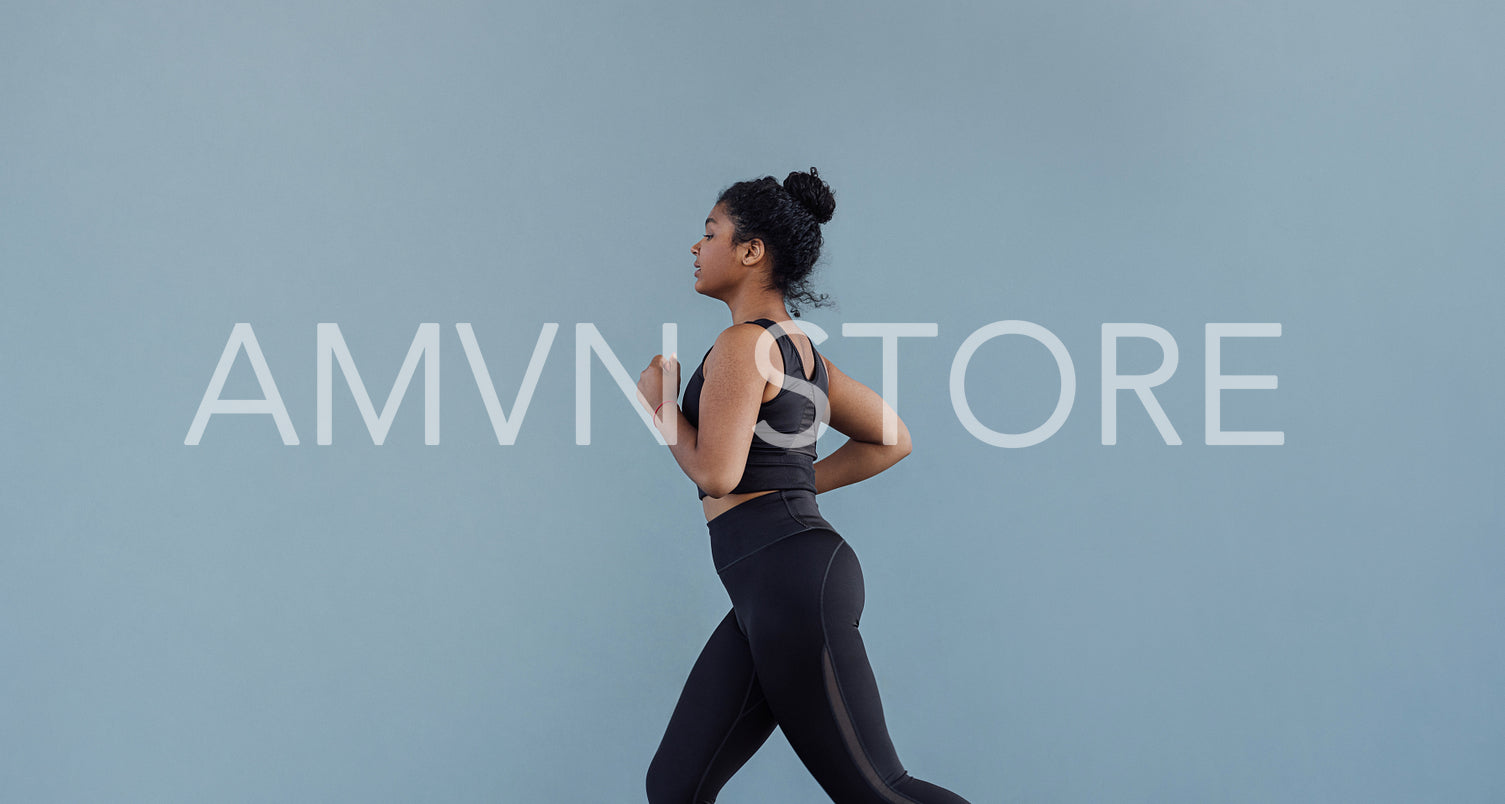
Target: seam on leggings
(842, 712)
(742, 712)
(723, 567)
(792, 515)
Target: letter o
(1063, 403)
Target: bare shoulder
(832, 372)
(735, 347)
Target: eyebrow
(710, 220)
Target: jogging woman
(788, 653)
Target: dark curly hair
(787, 219)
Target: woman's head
(786, 219)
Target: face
(716, 260)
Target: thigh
(720, 721)
(815, 672)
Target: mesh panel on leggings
(849, 734)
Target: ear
(752, 252)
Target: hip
(759, 522)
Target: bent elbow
(720, 486)
(903, 446)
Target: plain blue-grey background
(243, 621)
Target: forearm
(855, 461)
(683, 439)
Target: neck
(750, 299)
(770, 308)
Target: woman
(788, 654)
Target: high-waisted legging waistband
(749, 527)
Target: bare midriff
(716, 506)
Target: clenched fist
(661, 376)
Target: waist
(748, 527)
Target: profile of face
(719, 264)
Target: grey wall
(242, 620)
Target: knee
(668, 783)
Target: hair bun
(812, 193)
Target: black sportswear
(771, 466)
(788, 654)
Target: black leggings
(788, 654)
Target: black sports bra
(770, 465)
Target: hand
(652, 380)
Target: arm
(857, 411)
(715, 454)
